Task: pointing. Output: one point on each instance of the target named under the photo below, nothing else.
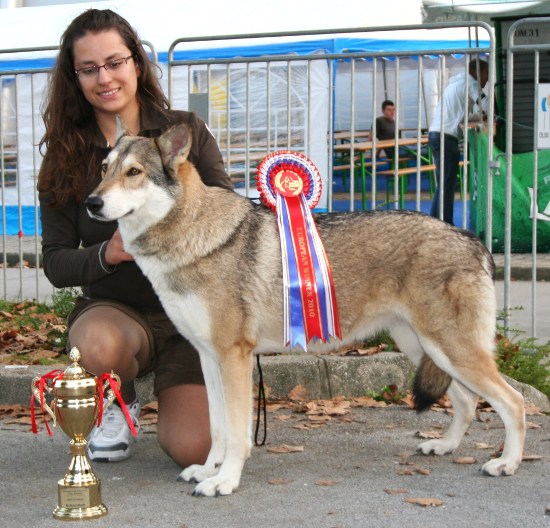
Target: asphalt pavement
(359, 470)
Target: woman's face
(111, 90)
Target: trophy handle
(40, 397)
(108, 391)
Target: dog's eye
(133, 172)
(103, 169)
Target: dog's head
(140, 177)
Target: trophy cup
(76, 404)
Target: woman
(118, 324)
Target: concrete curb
(323, 377)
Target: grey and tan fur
(214, 259)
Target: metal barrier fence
(528, 51)
(322, 99)
(315, 92)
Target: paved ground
(352, 473)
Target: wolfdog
(214, 258)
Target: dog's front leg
(236, 378)
(211, 373)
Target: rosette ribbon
(46, 383)
(290, 184)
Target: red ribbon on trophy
(46, 383)
(290, 184)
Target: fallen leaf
(408, 400)
(282, 417)
(44, 354)
(152, 406)
(367, 401)
(274, 407)
(530, 458)
(532, 425)
(279, 481)
(396, 491)
(13, 410)
(285, 449)
(298, 393)
(428, 434)
(319, 419)
(481, 445)
(328, 407)
(425, 502)
(305, 426)
(371, 351)
(465, 460)
(325, 483)
(532, 410)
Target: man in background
(447, 121)
(385, 126)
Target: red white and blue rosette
(290, 184)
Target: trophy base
(76, 503)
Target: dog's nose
(94, 204)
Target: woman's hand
(114, 251)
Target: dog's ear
(121, 128)
(174, 146)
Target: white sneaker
(110, 442)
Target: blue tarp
(300, 47)
(24, 217)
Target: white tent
(162, 22)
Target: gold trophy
(75, 407)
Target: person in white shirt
(448, 123)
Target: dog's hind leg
(474, 367)
(464, 406)
(464, 402)
(211, 372)
(236, 378)
(509, 404)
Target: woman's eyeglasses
(92, 71)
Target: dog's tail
(430, 384)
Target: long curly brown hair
(69, 164)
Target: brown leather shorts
(173, 359)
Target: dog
(214, 259)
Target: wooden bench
(347, 168)
(405, 171)
(339, 167)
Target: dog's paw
(436, 447)
(216, 486)
(499, 466)
(197, 473)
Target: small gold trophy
(75, 407)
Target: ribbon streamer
(45, 381)
(290, 184)
(115, 387)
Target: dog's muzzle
(94, 204)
